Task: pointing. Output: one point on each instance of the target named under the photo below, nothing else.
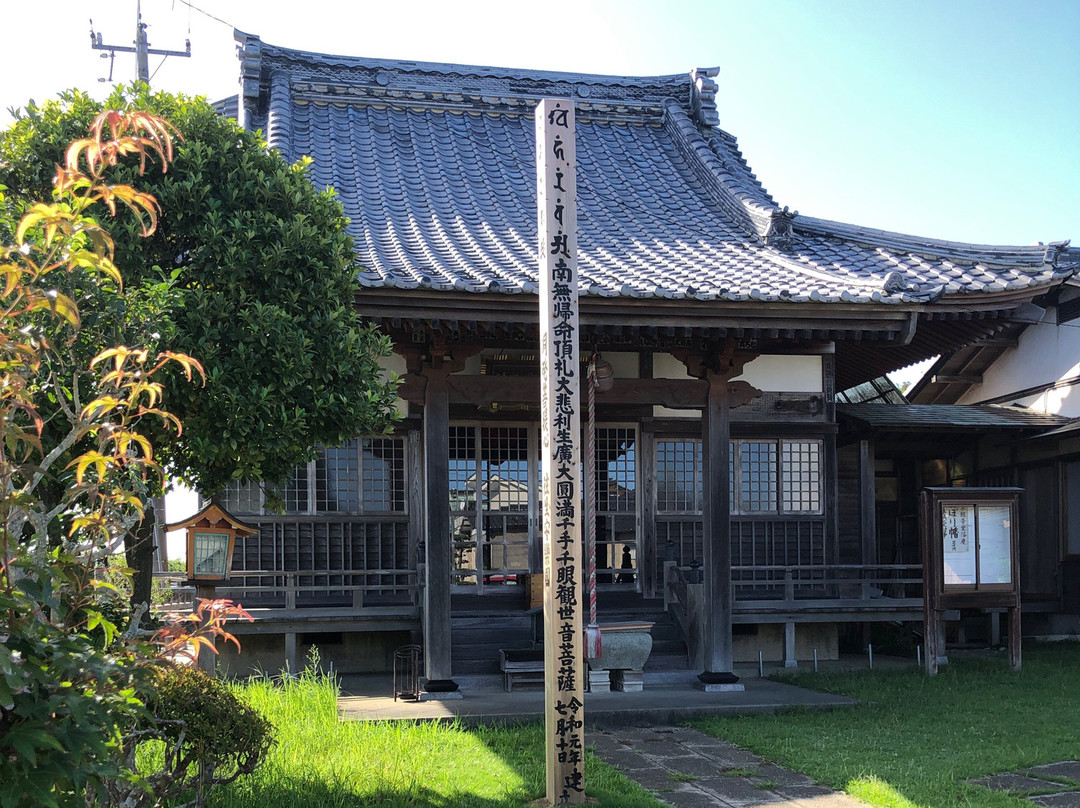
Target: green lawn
(912, 743)
(321, 762)
(916, 739)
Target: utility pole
(141, 49)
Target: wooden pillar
(561, 489)
(717, 364)
(716, 451)
(867, 503)
(437, 540)
(1015, 629)
(832, 495)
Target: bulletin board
(971, 558)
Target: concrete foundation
(769, 639)
(344, 652)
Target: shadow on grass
(323, 762)
(521, 747)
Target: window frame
(737, 506)
(305, 480)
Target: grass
(916, 739)
(321, 762)
(682, 777)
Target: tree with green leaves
(80, 696)
(250, 271)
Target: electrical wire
(193, 7)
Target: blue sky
(955, 119)
(952, 119)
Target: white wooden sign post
(560, 402)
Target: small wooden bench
(523, 665)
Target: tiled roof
(434, 165)
(950, 416)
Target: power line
(194, 7)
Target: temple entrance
(494, 505)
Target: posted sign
(560, 402)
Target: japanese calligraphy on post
(560, 401)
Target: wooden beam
(998, 342)
(968, 378)
(486, 390)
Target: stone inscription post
(560, 402)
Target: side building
(1032, 365)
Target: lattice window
(800, 476)
(777, 476)
(361, 476)
(383, 474)
(242, 497)
(764, 476)
(757, 477)
(504, 468)
(615, 469)
(489, 503)
(678, 476)
(295, 492)
(337, 476)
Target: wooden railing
(797, 593)
(296, 590)
(169, 592)
(794, 584)
(859, 591)
(684, 599)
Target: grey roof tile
(953, 416)
(434, 165)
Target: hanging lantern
(211, 539)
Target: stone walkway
(688, 769)
(1054, 785)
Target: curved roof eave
(723, 240)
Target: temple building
(756, 486)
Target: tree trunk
(139, 553)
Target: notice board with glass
(976, 545)
(970, 557)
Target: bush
(208, 723)
(198, 734)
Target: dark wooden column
(437, 546)
(429, 383)
(716, 449)
(717, 366)
(868, 504)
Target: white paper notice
(958, 543)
